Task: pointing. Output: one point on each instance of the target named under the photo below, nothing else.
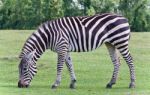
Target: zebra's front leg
(116, 62)
(61, 61)
(71, 70)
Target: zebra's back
(88, 33)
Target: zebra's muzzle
(22, 84)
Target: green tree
(103, 6)
(91, 7)
(46, 9)
(135, 11)
(52, 9)
(34, 11)
(86, 6)
(28, 14)
(7, 13)
(71, 8)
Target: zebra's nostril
(19, 84)
(22, 85)
(26, 86)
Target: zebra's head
(27, 69)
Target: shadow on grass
(9, 86)
(64, 87)
(83, 87)
(30, 87)
(9, 58)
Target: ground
(93, 69)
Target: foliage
(70, 8)
(136, 12)
(22, 14)
(102, 6)
(55, 9)
(28, 14)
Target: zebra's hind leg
(61, 61)
(71, 70)
(128, 58)
(116, 62)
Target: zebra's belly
(72, 48)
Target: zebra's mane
(25, 51)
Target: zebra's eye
(24, 69)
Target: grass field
(93, 69)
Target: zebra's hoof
(72, 86)
(132, 85)
(53, 87)
(109, 86)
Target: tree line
(28, 14)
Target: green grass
(93, 69)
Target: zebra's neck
(46, 37)
(26, 51)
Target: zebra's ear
(20, 56)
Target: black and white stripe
(82, 34)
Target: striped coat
(81, 34)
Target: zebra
(77, 34)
